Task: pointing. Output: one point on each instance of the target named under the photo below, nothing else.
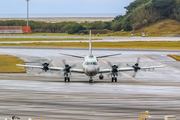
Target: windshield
(91, 63)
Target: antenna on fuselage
(90, 48)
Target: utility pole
(27, 12)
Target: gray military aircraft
(91, 67)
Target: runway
(47, 96)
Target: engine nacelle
(101, 77)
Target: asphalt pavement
(30, 95)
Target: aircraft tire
(115, 79)
(68, 79)
(112, 80)
(65, 79)
(90, 81)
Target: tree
(116, 26)
(118, 18)
(165, 7)
(134, 5)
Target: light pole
(27, 11)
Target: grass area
(176, 57)
(158, 29)
(40, 39)
(131, 45)
(8, 64)
(54, 34)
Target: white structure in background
(27, 12)
(143, 34)
(170, 117)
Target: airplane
(91, 67)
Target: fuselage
(91, 66)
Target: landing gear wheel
(68, 79)
(91, 81)
(115, 79)
(65, 79)
(112, 80)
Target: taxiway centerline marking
(129, 76)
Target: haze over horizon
(63, 8)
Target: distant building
(15, 29)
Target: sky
(63, 8)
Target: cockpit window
(91, 63)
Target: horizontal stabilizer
(108, 55)
(72, 55)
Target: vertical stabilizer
(90, 48)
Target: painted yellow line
(129, 76)
(103, 61)
(160, 62)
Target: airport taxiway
(103, 39)
(47, 96)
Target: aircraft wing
(30, 66)
(108, 55)
(40, 67)
(129, 69)
(152, 67)
(120, 69)
(77, 70)
(72, 55)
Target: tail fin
(90, 48)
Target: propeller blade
(50, 71)
(64, 62)
(61, 71)
(110, 64)
(41, 71)
(41, 62)
(119, 65)
(50, 61)
(134, 74)
(138, 60)
(119, 74)
(73, 66)
(110, 73)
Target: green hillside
(158, 29)
(146, 15)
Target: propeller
(114, 70)
(67, 68)
(136, 67)
(45, 66)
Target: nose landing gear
(91, 80)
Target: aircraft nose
(91, 69)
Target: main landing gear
(114, 79)
(66, 79)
